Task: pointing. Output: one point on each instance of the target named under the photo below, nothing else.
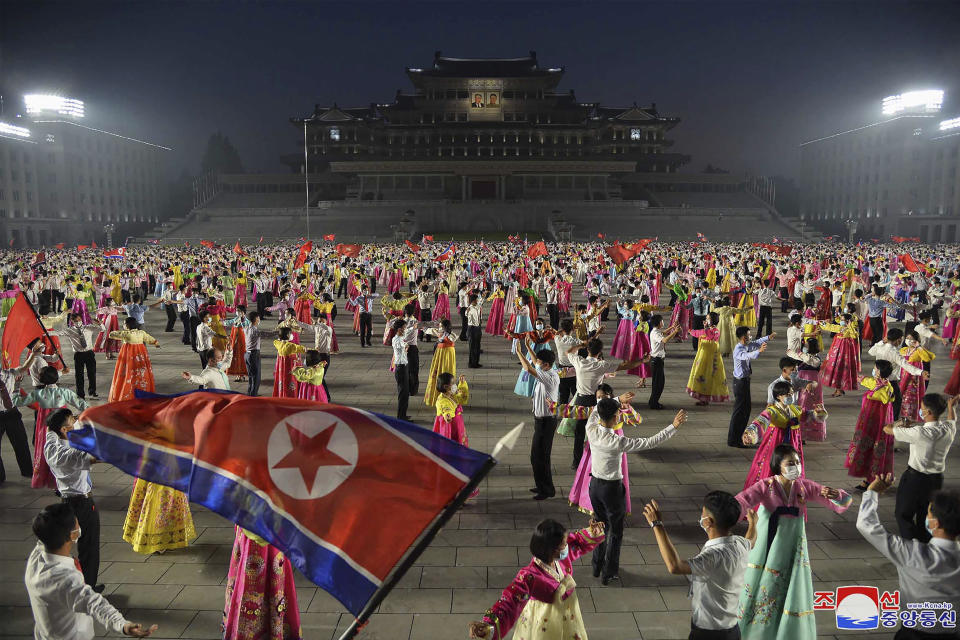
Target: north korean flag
(342, 492)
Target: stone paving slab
(483, 546)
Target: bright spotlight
(952, 123)
(928, 101)
(38, 103)
(10, 130)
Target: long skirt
(217, 325)
(777, 599)
(442, 309)
(284, 384)
(334, 346)
(238, 344)
(871, 450)
(681, 316)
(708, 380)
(495, 319)
(80, 307)
(953, 385)
(526, 383)
(454, 430)
(104, 344)
(522, 324)
(158, 518)
(552, 620)
(950, 326)
(811, 427)
(638, 351)
(240, 295)
(912, 389)
(315, 392)
(302, 309)
(903, 297)
(42, 476)
(261, 602)
(133, 371)
(444, 361)
(623, 340)
(580, 489)
(868, 329)
(773, 436)
(842, 367)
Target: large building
(63, 180)
(484, 146)
(897, 176)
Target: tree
(220, 156)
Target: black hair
(566, 325)
(607, 409)
(894, 334)
(252, 316)
(945, 507)
(54, 524)
(936, 403)
(884, 368)
(398, 324)
(284, 333)
(723, 507)
(595, 346)
(656, 320)
(780, 452)
(796, 318)
(742, 331)
(547, 356)
(546, 539)
(208, 354)
(444, 381)
(786, 362)
(812, 345)
(311, 358)
(130, 323)
(48, 375)
(781, 388)
(446, 326)
(56, 419)
(605, 388)
(202, 315)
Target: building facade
(483, 129)
(897, 176)
(63, 181)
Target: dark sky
(750, 81)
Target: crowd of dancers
(577, 321)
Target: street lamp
(109, 228)
(306, 174)
(851, 225)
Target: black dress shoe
(596, 572)
(657, 407)
(608, 579)
(534, 490)
(99, 587)
(540, 496)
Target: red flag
(186, 244)
(413, 247)
(81, 247)
(428, 238)
(618, 254)
(538, 249)
(11, 242)
(349, 250)
(330, 236)
(59, 245)
(305, 250)
(908, 262)
(237, 249)
(261, 238)
(208, 244)
(310, 478)
(21, 329)
(601, 236)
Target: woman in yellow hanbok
(748, 312)
(116, 290)
(158, 518)
(444, 360)
(708, 379)
(727, 326)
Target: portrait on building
(493, 100)
(477, 101)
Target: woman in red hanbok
(871, 450)
(288, 356)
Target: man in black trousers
(365, 302)
(744, 352)
(658, 352)
(400, 373)
(11, 422)
(474, 314)
(71, 468)
(540, 367)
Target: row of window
(440, 152)
(458, 94)
(15, 194)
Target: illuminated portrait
(477, 101)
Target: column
(463, 188)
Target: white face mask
(911, 342)
(792, 472)
(875, 373)
(701, 523)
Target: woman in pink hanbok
(812, 428)
(309, 377)
(541, 602)
(107, 318)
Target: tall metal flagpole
(306, 175)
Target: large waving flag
(118, 254)
(305, 250)
(447, 253)
(349, 250)
(21, 328)
(538, 249)
(342, 492)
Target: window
(462, 95)
(461, 117)
(335, 134)
(635, 134)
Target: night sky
(750, 81)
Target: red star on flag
(310, 453)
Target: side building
(62, 180)
(897, 176)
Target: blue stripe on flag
(134, 457)
(466, 461)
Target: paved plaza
(482, 547)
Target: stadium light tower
(306, 175)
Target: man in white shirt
(63, 606)
(929, 444)
(565, 340)
(889, 350)
(607, 494)
(540, 367)
(658, 338)
(474, 330)
(213, 375)
(590, 372)
(205, 336)
(929, 573)
(400, 373)
(411, 333)
(716, 573)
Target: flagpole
(306, 175)
(417, 550)
(45, 332)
